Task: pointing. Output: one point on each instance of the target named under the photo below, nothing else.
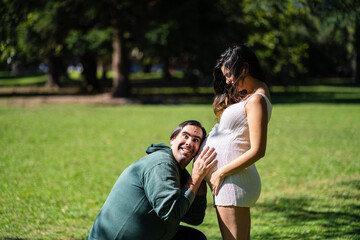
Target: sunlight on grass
(6, 79)
(75, 75)
(23, 81)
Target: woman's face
(230, 79)
(228, 75)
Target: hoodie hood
(158, 147)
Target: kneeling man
(155, 193)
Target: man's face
(186, 144)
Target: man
(155, 193)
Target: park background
(86, 86)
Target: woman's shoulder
(254, 99)
(260, 95)
(259, 98)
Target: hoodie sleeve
(196, 213)
(163, 190)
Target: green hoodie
(148, 200)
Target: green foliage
(98, 41)
(333, 42)
(278, 35)
(196, 39)
(43, 32)
(59, 162)
(13, 13)
(292, 38)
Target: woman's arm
(256, 112)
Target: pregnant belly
(226, 151)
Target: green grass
(35, 80)
(59, 162)
(23, 80)
(9, 80)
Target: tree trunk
(166, 73)
(55, 66)
(357, 51)
(103, 71)
(121, 85)
(91, 83)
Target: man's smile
(186, 150)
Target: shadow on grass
(340, 91)
(277, 98)
(315, 97)
(181, 91)
(332, 222)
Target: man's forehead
(192, 130)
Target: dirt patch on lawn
(42, 95)
(35, 95)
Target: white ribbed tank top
(230, 138)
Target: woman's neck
(252, 84)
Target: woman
(243, 107)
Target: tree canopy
(292, 38)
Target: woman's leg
(234, 222)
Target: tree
(278, 35)
(120, 63)
(90, 46)
(41, 36)
(357, 46)
(341, 23)
(196, 39)
(292, 38)
(120, 16)
(12, 14)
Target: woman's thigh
(234, 222)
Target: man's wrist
(189, 194)
(202, 189)
(194, 182)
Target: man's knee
(189, 233)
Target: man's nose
(189, 141)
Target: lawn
(58, 162)
(10, 80)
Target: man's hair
(189, 122)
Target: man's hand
(202, 165)
(204, 162)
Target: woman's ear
(245, 70)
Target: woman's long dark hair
(240, 60)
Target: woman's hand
(216, 180)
